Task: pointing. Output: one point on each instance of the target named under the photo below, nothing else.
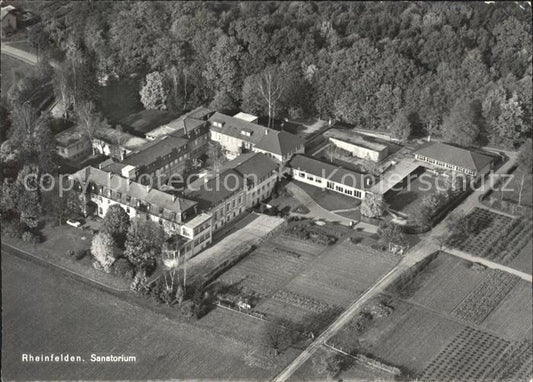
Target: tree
(524, 170)
(373, 205)
(266, 88)
(461, 126)
(510, 124)
(143, 242)
(87, 119)
(390, 233)
(102, 250)
(155, 91)
(215, 155)
(223, 102)
(116, 223)
(277, 335)
(327, 364)
(29, 203)
(401, 126)
(223, 69)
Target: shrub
(187, 309)
(80, 254)
(30, 237)
(12, 229)
(123, 268)
(69, 253)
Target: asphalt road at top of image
(45, 311)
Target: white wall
(323, 184)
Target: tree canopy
(370, 64)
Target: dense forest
(458, 70)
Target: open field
(78, 319)
(512, 318)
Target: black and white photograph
(276, 191)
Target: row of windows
(446, 165)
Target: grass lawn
(282, 202)
(45, 312)
(119, 99)
(330, 200)
(12, 68)
(59, 240)
(409, 198)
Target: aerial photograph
(266, 191)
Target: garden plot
(510, 242)
(442, 284)
(482, 300)
(341, 274)
(271, 265)
(489, 229)
(408, 337)
(470, 356)
(512, 319)
(524, 261)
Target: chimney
(148, 188)
(429, 138)
(174, 197)
(266, 131)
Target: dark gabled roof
(280, 142)
(329, 171)
(69, 136)
(136, 190)
(234, 126)
(258, 165)
(219, 188)
(201, 113)
(455, 156)
(152, 150)
(250, 166)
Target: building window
(329, 185)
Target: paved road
(424, 248)
(20, 54)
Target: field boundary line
(336, 325)
(64, 269)
(488, 263)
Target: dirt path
(19, 54)
(488, 263)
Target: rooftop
(354, 138)
(136, 190)
(190, 120)
(69, 136)
(231, 178)
(153, 150)
(280, 142)
(120, 138)
(329, 171)
(455, 156)
(235, 127)
(246, 117)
